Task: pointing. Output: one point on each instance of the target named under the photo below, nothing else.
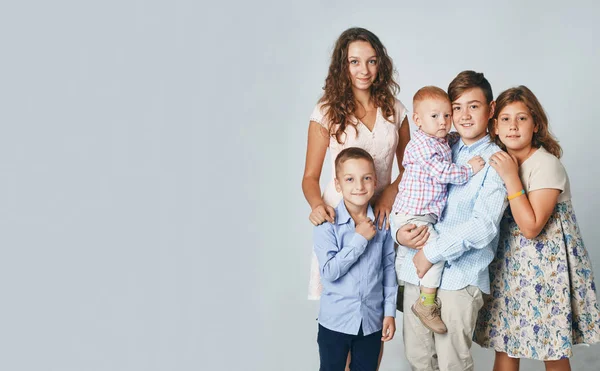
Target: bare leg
(505, 363)
(428, 290)
(348, 362)
(560, 365)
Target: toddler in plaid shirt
(422, 192)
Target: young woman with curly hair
(358, 109)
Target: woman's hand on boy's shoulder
(322, 213)
(383, 206)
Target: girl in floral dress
(543, 297)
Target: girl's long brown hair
(543, 137)
(338, 99)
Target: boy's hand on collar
(366, 228)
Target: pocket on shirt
(375, 254)
(375, 249)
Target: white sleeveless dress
(381, 143)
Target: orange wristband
(521, 192)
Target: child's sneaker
(430, 315)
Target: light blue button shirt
(358, 276)
(469, 226)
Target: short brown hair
(467, 80)
(352, 153)
(542, 137)
(429, 92)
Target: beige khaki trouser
(427, 351)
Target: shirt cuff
(389, 310)
(431, 255)
(469, 170)
(359, 241)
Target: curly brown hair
(542, 137)
(338, 99)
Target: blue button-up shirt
(358, 276)
(469, 226)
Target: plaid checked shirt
(428, 168)
(469, 226)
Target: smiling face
(362, 65)
(471, 114)
(434, 116)
(515, 127)
(355, 179)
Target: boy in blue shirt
(356, 262)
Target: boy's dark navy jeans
(334, 348)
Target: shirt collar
(343, 216)
(486, 139)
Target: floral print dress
(543, 296)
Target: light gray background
(151, 154)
